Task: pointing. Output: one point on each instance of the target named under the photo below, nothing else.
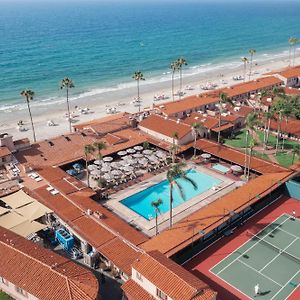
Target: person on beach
(293, 215)
(256, 290)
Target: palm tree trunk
(138, 97)
(173, 85)
(87, 171)
(250, 156)
(283, 138)
(156, 225)
(180, 90)
(294, 55)
(246, 154)
(30, 115)
(290, 55)
(265, 133)
(219, 132)
(195, 140)
(268, 132)
(278, 132)
(245, 71)
(69, 115)
(250, 71)
(171, 204)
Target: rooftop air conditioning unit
(89, 212)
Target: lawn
(239, 141)
(272, 141)
(4, 296)
(286, 159)
(261, 155)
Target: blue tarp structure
(65, 239)
(72, 172)
(77, 166)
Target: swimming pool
(220, 168)
(141, 202)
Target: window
(161, 294)
(21, 291)
(3, 280)
(139, 276)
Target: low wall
(293, 189)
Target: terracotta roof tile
(208, 122)
(211, 216)
(164, 126)
(43, 273)
(291, 126)
(223, 127)
(135, 291)
(172, 279)
(237, 157)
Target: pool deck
(179, 212)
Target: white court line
(244, 244)
(285, 285)
(258, 272)
(252, 245)
(277, 254)
(287, 232)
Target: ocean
(100, 45)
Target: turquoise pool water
(141, 202)
(220, 168)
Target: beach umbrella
(107, 177)
(205, 155)
(143, 161)
(138, 148)
(115, 164)
(236, 168)
(147, 152)
(130, 150)
(107, 158)
(122, 153)
(126, 157)
(152, 157)
(97, 162)
(161, 154)
(95, 173)
(138, 155)
(131, 161)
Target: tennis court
(271, 258)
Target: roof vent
(89, 212)
(178, 121)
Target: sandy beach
(99, 103)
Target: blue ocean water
(100, 45)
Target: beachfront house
(289, 76)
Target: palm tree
(88, 149)
(174, 68)
(28, 94)
(138, 76)
(156, 204)
(290, 41)
(174, 173)
(67, 84)
(251, 52)
(296, 150)
(180, 63)
(251, 146)
(174, 147)
(99, 146)
(293, 41)
(245, 61)
(251, 121)
(268, 117)
(197, 128)
(223, 99)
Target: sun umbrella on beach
(138, 148)
(107, 158)
(122, 153)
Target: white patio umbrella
(138, 148)
(95, 173)
(138, 155)
(131, 161)
(128, 169)
(147, 152)
(126, 157)
(116, 172)
(107, 176)
(236, 168)
(161, 154)
(122, 153)
(107, 158)
(144, 161)
(115, 164)
(92, 167)
(205, 155)
(97, 162)
(106, 169)
(130, 150)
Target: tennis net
(273, 247)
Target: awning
(27, 228)
(33, 210)
(17, 199)
(3, 211)
(11, 220)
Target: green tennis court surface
(270, 258)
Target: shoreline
(98, 103)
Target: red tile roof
(135, 292)
(211, 216)
(4, 151)
(188, 103)
(43, 273)
(292, 91)
(237, 157)
(291, 126)
(291, 72)
(172, 279)
(223, 127)
(208, 122)
(165, 126)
